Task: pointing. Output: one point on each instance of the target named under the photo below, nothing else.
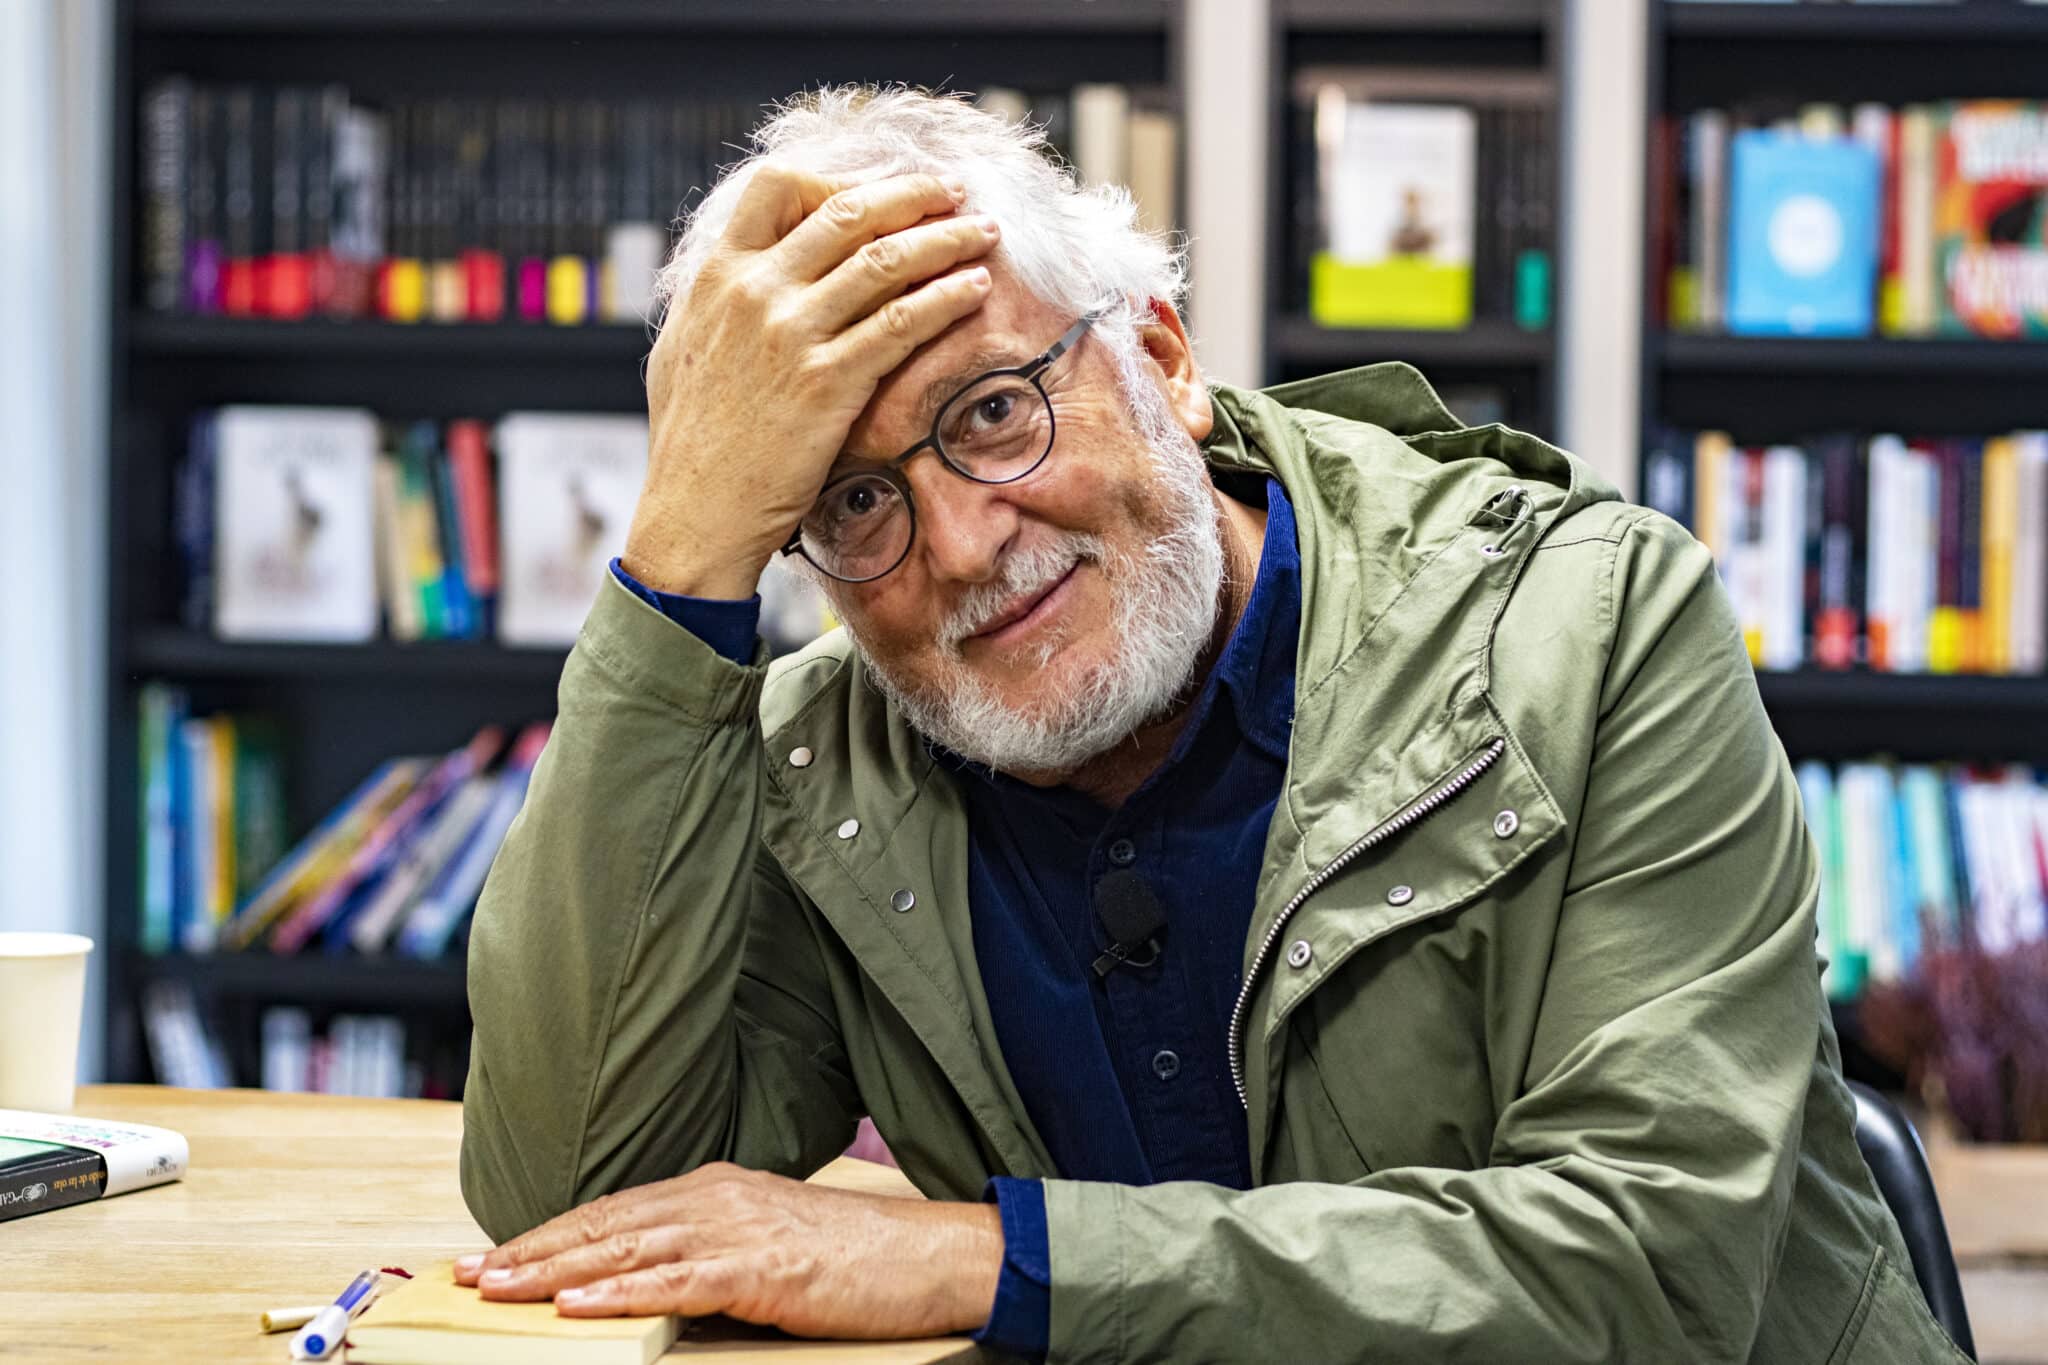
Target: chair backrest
(1892, 1151)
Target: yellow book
(2001, 531)
(1710, 453)
(431, 1320)
(220, 761)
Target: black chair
(1892, 1151)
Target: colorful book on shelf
(433, 921)
(1803, 238)
(373, 857)
(426, 855)
(1991, 219)
(385, 854)
(161, 710)
(322, 853)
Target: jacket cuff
(1085, 1245)
(640, 650)
(726, 624)
(1021, 1320)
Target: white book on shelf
(1880, 606)
(1102, 132)
(2030, 555)
(1784, 642)
(287, 1036)
(294, 540)
(567, 485)
(1862, 860)
(2016, 795)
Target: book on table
(431, 1320)
(50, 1161)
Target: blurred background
(320, 358)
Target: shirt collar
(1257, 667)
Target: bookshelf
(1767, 389)
(343, 707)
(1495, 35)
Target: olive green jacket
(1531, 1042)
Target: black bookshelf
(1503, 35)
(1764, 389)
(344, 707)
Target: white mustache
(1023, 573)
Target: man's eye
(994, 409)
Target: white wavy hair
(1076, 248)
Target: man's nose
(963, 527)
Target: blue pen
(321, 1337)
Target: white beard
(1166, 599)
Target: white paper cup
(42, 1001)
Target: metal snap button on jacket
(1400, 895)
(1505, 824)
(1299, 954)
(800, 757)
(848, 828)
(902, 900)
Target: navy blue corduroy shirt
(1126, 1077)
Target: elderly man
(1293, 877)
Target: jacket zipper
(1412, 815)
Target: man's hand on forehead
(817, 290)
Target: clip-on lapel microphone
(1134, 919)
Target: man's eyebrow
(935, 393)
(965, 373)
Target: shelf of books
(378, 431)
(1846, 330)
(1412, 202)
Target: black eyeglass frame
(891, 470)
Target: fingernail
(572, 1297)
(494, 1278)
(466, 1265)
(956, 187)
(990, 227)
(977, 276)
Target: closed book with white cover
(294, 527)
(567, 485)
(48, 1161)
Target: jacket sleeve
(648, 995)
(1637, 1189)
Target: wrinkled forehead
(1011, 327)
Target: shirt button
(1505, 824)
(1123, 853)
(1299, 954)
(848, 828)
(800, 757)
(1165, 1064)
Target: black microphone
(1134, 919)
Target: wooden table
(287, 1198)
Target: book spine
(1945, 629)
(162, 710)
(456, 599)
(166, 133)
(469, 461)
(238, 294)
(193, 521)
(53, 1180)
(1836, 624)
(1969, 458)
(286, 278)
(205, 249)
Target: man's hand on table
(808, 1259)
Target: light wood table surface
(289, 1196)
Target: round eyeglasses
(995, 430)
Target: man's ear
(1166, 343)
